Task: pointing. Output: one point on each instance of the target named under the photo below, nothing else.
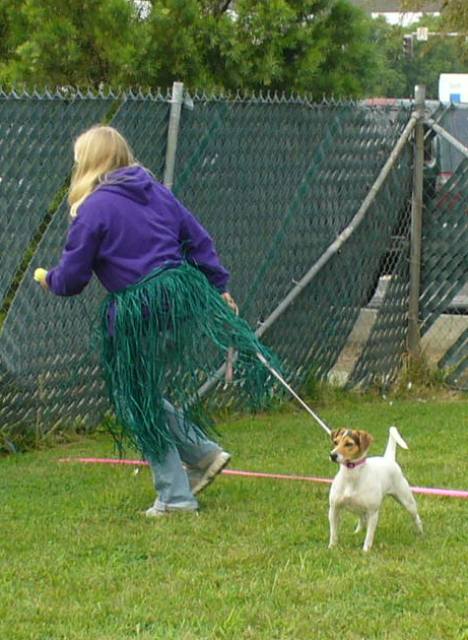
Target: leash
(305, 406)
(430, 491)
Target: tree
(454, 13)
(175, 39)
(392, 79)
(438, 55)
(74, 42)
(399, 72)
(11, 26)
(454, 18)
(323, 47)
(350, 63)
(317, 46)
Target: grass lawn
(78, 561)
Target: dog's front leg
(334, 520)
(372, 519)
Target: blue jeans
(169, 476)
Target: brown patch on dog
(365, 440)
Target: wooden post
(414, 335)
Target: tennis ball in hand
(40, 275)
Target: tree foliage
(399, 72)
(323, 47)
(440, 54)
(453, 19)
(454, 13)
(319, 46)
(55, 42)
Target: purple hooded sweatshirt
(126, 229)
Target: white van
(453, 88)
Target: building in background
(392, 12)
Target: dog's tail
(394, 439)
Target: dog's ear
(336, 434)
(365, 440)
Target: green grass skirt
(163, 338)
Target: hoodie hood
(134, 183)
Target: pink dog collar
(352, 465)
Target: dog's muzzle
(334, 457)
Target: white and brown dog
(362, 483)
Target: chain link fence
(278, 182)
(444, 286)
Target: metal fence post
(414, 335)
(173, 133)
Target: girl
(165, 317)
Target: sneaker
(153, 512)
(157, 512)
(200, 478)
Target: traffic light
(408, 47)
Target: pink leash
(449, 493)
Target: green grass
(79, 561)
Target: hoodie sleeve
(199, 250)
(75, 268)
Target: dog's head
(349, 445)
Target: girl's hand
(40, 276)
(230, 301)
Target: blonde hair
(98, 152)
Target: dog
(362, 483)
